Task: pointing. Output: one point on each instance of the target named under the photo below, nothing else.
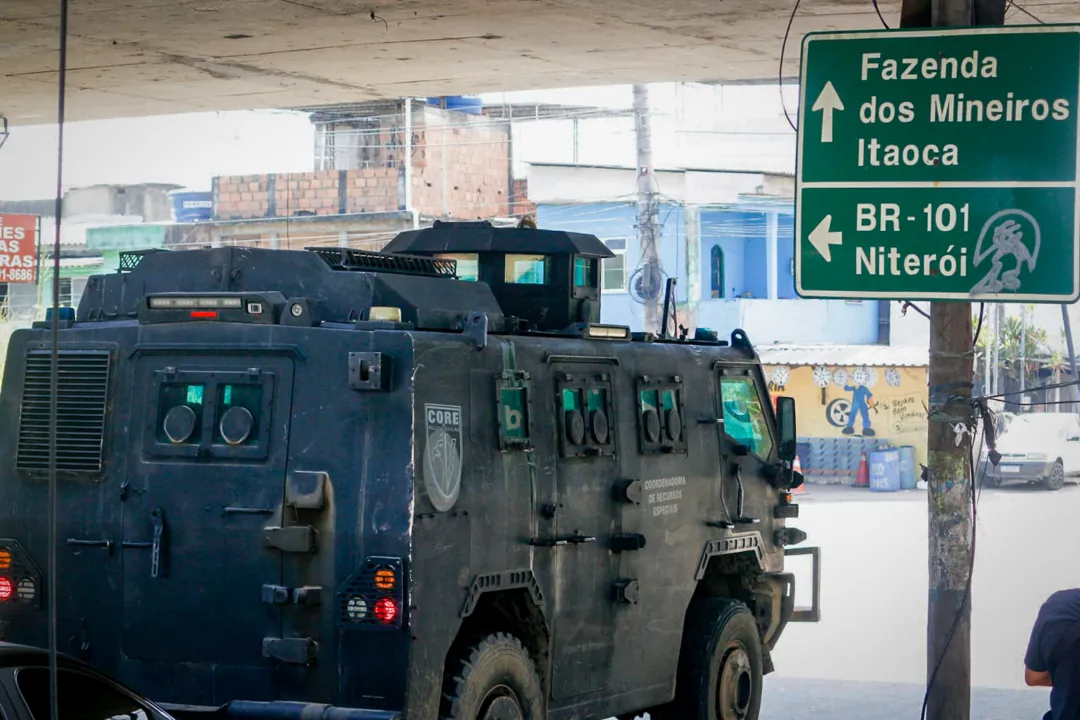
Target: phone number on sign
(16, 274)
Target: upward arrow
(827, 102)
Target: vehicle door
(584, 641)
(746, 445)
(206, 476)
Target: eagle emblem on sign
(442, 454)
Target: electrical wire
(780, 71)
(1024, 10)
(978, 327)
(880, 16)
(54, 376)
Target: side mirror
(785, 421)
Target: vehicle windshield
(1037, 426)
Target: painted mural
(883, 403)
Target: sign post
(18, 248)
(940, 165)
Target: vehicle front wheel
(720, 668)
(495, 679)
(1057, 477)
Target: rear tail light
(20, 580)
(386, 610)
(373, 598)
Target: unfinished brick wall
(242, 197)
(474, 150)
(476, 154)
(519, 199)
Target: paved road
(874, 583)
(800, 699)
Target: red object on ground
(862, 477)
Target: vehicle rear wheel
(720, 668)
(494, 680)
(1057, 477)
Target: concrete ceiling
(151, 57)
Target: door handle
(568, 540)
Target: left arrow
(827, 102)
(822, 238)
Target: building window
(65, 292)
(614, 268)
(525, 270)
(468, 266)
(716, 263)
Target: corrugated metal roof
(844, 355)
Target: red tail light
(204, 314)
(7, 589)
(385, 609)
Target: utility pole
(949, 473)
(647, 213)
(1072, 355)
(1023, 351)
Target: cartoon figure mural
(861, 397)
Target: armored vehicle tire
(1056, 481)
(495, 680)
(720, 666)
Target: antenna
(669, 305)
(54, 375)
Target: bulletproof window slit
(82, 399)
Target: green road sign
(940, 165)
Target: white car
(1035, 447)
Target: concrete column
(215, 238)
(692, 217)
(771, 219)
(274, 241)
(343, 238)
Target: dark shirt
(1054, 647)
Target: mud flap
(812, 613)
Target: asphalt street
(866, 658)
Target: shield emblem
(442, 454)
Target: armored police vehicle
(415, 484)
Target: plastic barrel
(907, 467)
(885, 470)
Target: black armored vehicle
(415, 484)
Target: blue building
(724, 236)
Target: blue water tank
(191, 206)
(462, 103)
(907, 467)
(885, 470)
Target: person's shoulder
(1063, 601)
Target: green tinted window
(669, 399)
(595, 399)
(194, 395)
(583, 272)
(525, 270)
(744, 417)
(649, 400)
(570, 400)
(228, 395)
(513, 411)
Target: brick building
(459, 168)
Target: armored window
(661, 425)
(207, 414)
(525, 270)
(515, 418)
(585, 417)
(744, 414)
(94, 699)
(584, 272)
(468, 266)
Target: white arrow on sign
(822, 237)
(827, 102)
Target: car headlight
(1036, 456)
